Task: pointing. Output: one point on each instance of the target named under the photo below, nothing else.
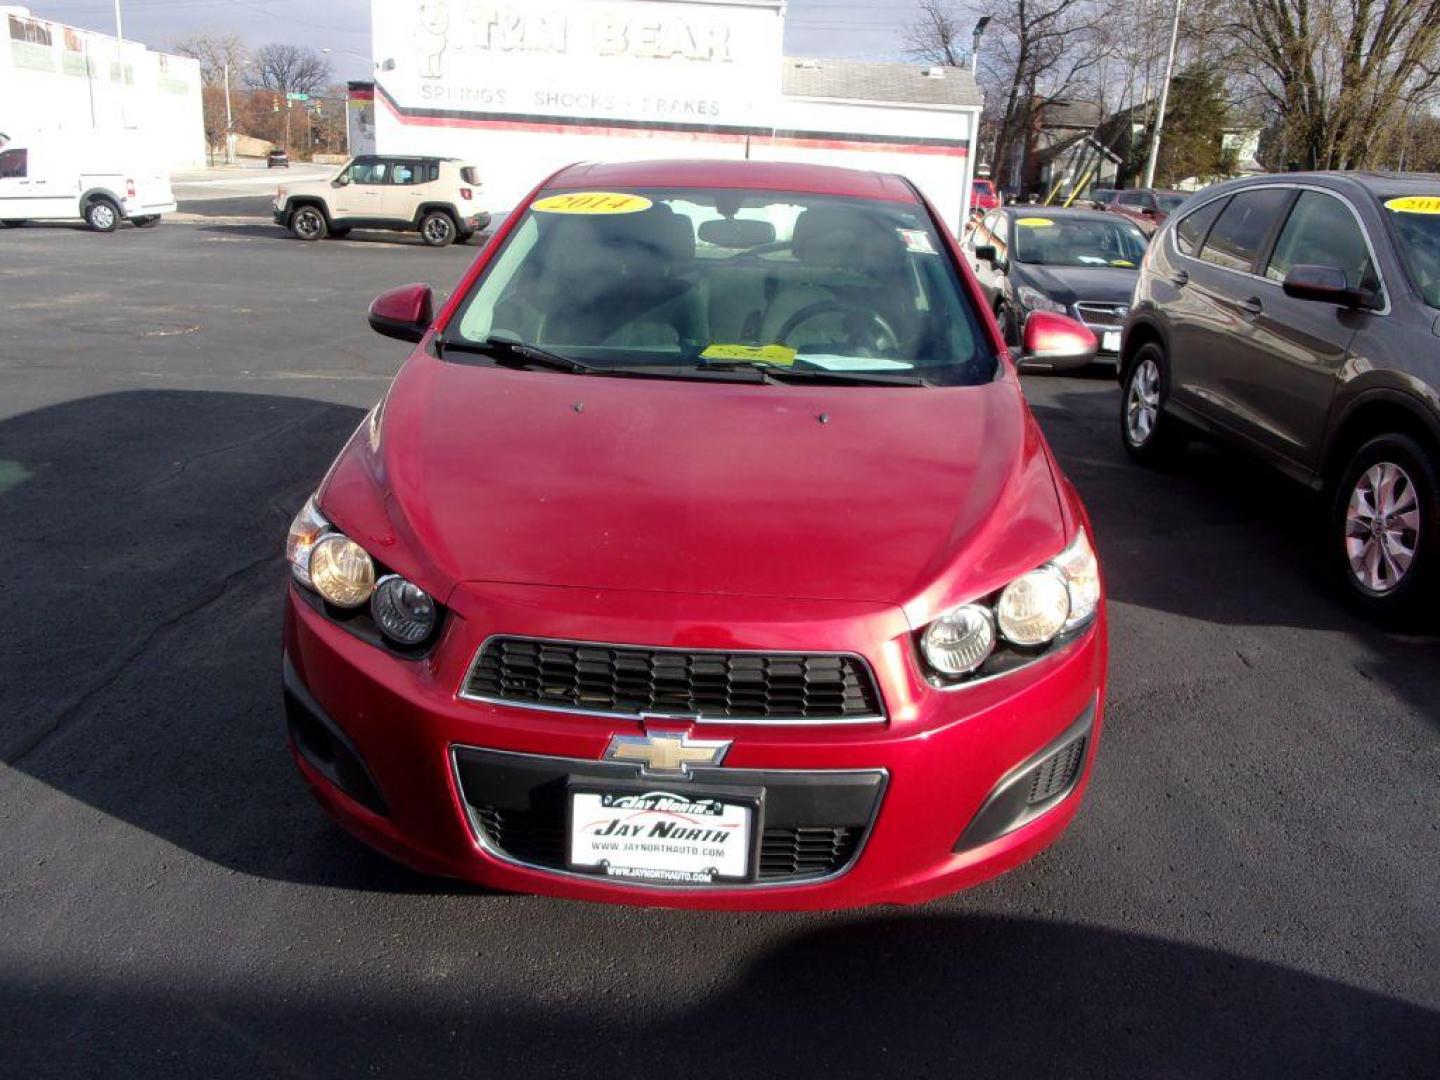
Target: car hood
(845, 493)
(1069, 284)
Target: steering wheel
(865, 329)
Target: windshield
(1416, 222)
(670, 282)
(1170, 203)
(1077, 241)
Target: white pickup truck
(100, 183)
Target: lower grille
(627, 681)
(1056, 773)
(786, 853)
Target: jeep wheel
(102, 215)
(437, 228)
(308, 223)
(1385, 526)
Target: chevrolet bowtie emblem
(666, 754)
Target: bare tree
(936, 37)
(1339, 74)
(289, 69)
(215, 52)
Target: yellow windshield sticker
(768, 354)
(592, 202)
(1415, 204)
(1123, 264)
(1035, 222)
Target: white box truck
(100, 182)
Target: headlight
(1034, 607)
(307, 528)
(1031, 612)
(341, 571)
(402, 610)
(1035, 300)
(960, 641)
(1082, 578)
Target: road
(1252, 889)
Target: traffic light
(275, 104)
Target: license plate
(655, 835)
(1110, 341)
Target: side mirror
(986, 253)
(1326, 284)
(1056, 341)
(404, 313)
(342, 180)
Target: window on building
(1242, 227)
(31, 30)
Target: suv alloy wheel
(1148, 434)
(1385, 525)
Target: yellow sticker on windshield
(768, 354)
(1415, 204)
(1123, 264)
(1035, 222)
(592, 202)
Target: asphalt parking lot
(1252, 889)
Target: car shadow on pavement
(144, 535)
(264, 230)
(888, 996)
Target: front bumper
(938, 797)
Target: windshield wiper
(517, 354)
(510, 353)
(780, 372)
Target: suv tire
(438, 229)
(308, 223)
(102, 215)
(1148, 434)
(1384, 527)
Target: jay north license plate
(654, 835)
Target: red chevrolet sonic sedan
(704, 553)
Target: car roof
(1379, 185)
(754, 175)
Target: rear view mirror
(1056, 341)
(736, 233)
(1326, 284)
(404, 313)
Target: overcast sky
(860, 29)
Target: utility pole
(120, 51)
(229, 121)
(1164, 97)
(975, 43)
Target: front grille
(786, 853)
(1095, 314)
(625, 680)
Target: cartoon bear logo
(433, 22)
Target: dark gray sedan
(1081, 263)
(1298, 316)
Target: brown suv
(1298, 316)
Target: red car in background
(703, 553)
(1147, 207)
(983, 195)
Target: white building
(524, 87)
(61, 80)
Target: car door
(15, 184)
(406, 189)
(1299, 346)
(1213, 342)
(363, 197)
